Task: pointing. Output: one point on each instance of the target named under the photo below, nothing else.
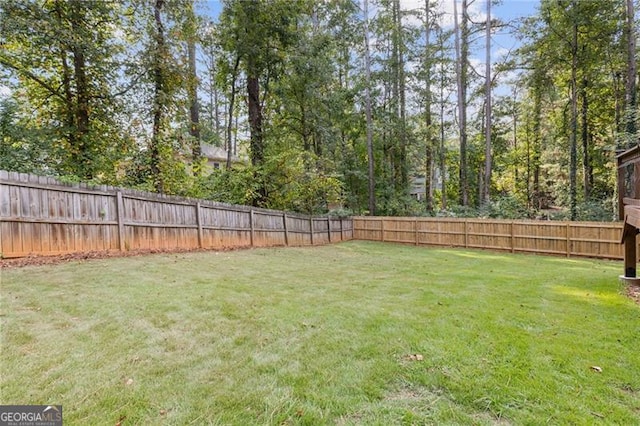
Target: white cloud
(445, 7)
(500, 53)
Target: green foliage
(295, 180)
(91, 92)
(22, 147)
(576, 60)
(174, 173)
(506, 207)
(598, 211)
(61, 59)
(234, 186)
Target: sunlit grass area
(354, 333)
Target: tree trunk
(443, 82)
(255, 121)
(194, 108)
(428, 169)
(587, 167)
(255, 126)
(462, 52)
(232, 100)
(367, 61)
(632, 75)
(216, 111)
(85, 156)
(69, 105)
(443, 170)
(402, 178)
(70, 120)
(573, 132)
(82, 114)
(516, 162)
(487, 135)
(394, 140)
(159, 83)
(537, 147)
(71, 110)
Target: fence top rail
(614, 224)
(84, 189)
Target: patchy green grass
(355, 333)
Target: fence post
(120, 214)
(466, 233)
(415, 228)
(568, 240)
(382, 229)
(513, 241)
(341, 233)
(199, 223)
(286, 230)
(329, 227)
(251, 231)
(311, 228)
(630, 250)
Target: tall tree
(573, 135)
(444, 82)
(160, 95)
(427, 61)
(573, 55)
(63, 55)
(462, 54)
(191, 31)
(232, 103)
(367, 68)
(487, 132)
(632, 73)
(400, 161)
(259, 33)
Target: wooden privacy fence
(590, 239)
(41, 216)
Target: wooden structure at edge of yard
(629, 206)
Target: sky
(507, 8)
(506, 11)
(502, 42)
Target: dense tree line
(336, 105)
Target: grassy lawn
(354, 333)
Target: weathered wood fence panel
(41, 216)
(590, 239)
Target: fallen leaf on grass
(129, 382)
(414, 357)
(596, 369)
